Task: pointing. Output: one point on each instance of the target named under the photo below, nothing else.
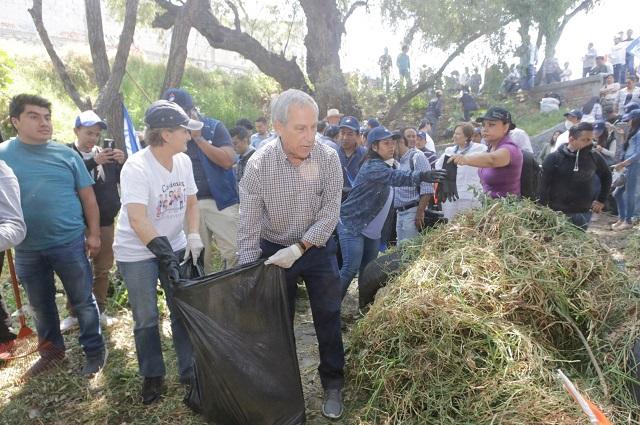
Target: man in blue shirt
(350, 154)
(57, 200)
(410, 202)
(404, 66)
(262, 133)
(211, 152)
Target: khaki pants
(219, 228)
(101, 264)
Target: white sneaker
(624, 226)
(68, 323)
(106, 320)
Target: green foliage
(6, 67)
(147, 10)
(220, 94)
(445, 23)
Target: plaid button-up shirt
(285, 204)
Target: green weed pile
(473, 329)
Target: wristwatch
(302, 246)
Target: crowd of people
(318, 199)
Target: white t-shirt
(144, 180)
(521, 139)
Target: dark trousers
(319, 270)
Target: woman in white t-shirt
(158, 194)
(467, 179)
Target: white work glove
(194, 247)
(286, 256)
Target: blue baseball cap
(373, 123)
(165, 114)
(89, 118)
(422, 135)
(574, 113)
(350, 123)
(377, 134)
(630, 107)
(599, 125)
(633, 115)
(179, 96)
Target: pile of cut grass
(489, 306)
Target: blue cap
(179, 96)
(422, 135)
(165, 114)
(633, 115)
(574, 113)
(377, 134)
(89, 118)
(350, 123)
(630, 107)
(373, 123)
(598, 125)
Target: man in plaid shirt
(289, 206)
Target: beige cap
(333, 113)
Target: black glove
(447, 188)
(433, 176)
(167, 260)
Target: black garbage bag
(246, 369)
(376, 275)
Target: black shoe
(152, 389)
(49, 360)
(95, 362)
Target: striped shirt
(283, 203)
(406, 195)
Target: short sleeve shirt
(145, 181)
(502, 181)
(50, 176)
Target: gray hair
(281, 104)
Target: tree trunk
(96, 42)
(109, 102)
(323, 40)
(286, 72)
(524, 50)
(178, 50)
(58, 65)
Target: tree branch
(178, 50)
(566, 18)
(286, 72)
(355, 5)
(110, 90)
(97, 46)
(61, 70)
(411, 32)
(397, 107)
(236, 16)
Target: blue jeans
(406, 224)
(318, 268)
(626, 196)
(619, 73)
(141, 278)
(580, 220)
(357, 251)
(69, 261)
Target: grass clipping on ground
(473, 329)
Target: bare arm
(92, 217)
(498, 158)
(192, 214)
(140, 223)
(222, 156)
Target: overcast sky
(366, 38)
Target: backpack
(530, 176)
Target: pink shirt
(500, 181)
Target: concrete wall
(573, 94)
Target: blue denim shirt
(370, 192)
(350, 166)
(632, 153)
